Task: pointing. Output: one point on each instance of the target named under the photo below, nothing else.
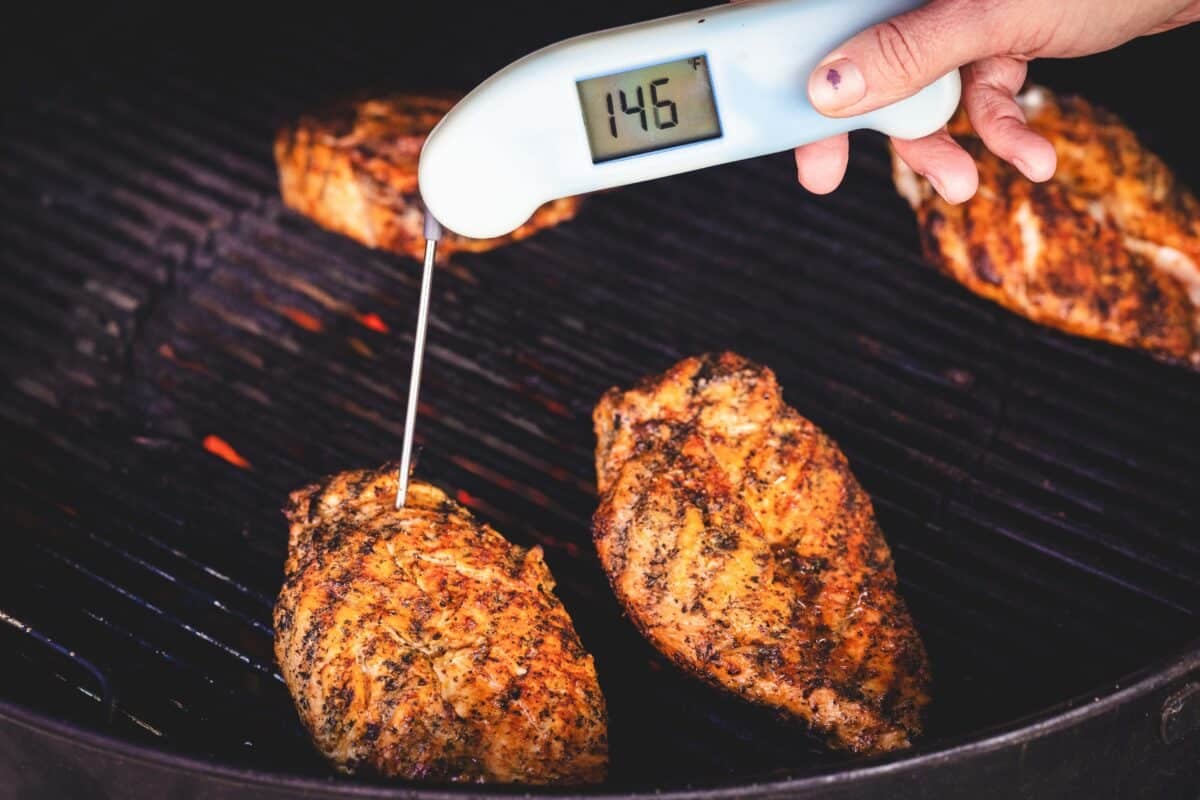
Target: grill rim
(1106, 699)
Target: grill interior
(161, 309)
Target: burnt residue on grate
(181, 352)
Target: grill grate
(1038, 491)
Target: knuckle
(1034, 40)
(898, 51)
(990, 89)
(1032, 32)
(997, 119)
(1000, 74)
(994, 110)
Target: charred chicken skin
(352, 168)
(1108, 249)
(421, 644)
(739, 542)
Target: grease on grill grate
(183, 352)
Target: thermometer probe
(433, 232)
(640, 102)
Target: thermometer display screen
(649, 109)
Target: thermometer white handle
(519, 139)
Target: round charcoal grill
(180, 352)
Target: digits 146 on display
(665, 113)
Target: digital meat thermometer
(649, 100)
(640, 102)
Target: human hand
(992, 41)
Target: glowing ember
(303, 319)
(374, 322)
(222, 449)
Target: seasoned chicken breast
(420, 644)
(352, 168)
(741, 545)
(1109, 248)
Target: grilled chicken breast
(421, 644)
(352, 168)
(1109, 248)
(741, 545)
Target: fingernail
(836, 85)
(1029, 172)
(937, 185)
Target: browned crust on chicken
(1108, 249)
(739, 542)
(352, 168)
(421, 644)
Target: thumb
(898, 58)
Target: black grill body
(1041, 493)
